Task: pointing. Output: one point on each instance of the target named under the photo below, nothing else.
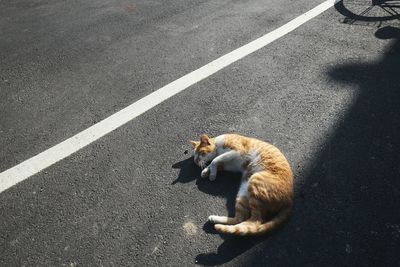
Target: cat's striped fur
(266, 187)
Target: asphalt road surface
(326, 94)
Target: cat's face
(203, 151)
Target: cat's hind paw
(217, 219)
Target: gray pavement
(326, 94)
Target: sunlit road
(327, 94)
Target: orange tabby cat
(266, 187)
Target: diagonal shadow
(349, 215)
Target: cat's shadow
(226, 185)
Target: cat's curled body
(266, 187)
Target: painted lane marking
(31, 166)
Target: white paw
(205, 173)
(217, 219)
(213, 218)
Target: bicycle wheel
(369, 10)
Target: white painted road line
(62, 150)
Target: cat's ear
(204, 140)
(194, 143)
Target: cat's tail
(253, 228)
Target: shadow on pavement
(349, 214)
(226, 184)
(232, 247)
(188, 171)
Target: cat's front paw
(205, 173)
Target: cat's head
(204, 150)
